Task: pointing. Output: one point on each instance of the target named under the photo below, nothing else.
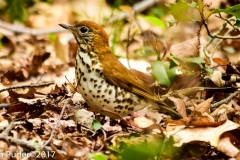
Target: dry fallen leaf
(216, 77)
(206, 134)
(227, 147)
(204, 106)
(180, 105)
(187, 48)
(143, 122)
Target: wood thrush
(107, 86)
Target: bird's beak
(66, 26)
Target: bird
(106, 85)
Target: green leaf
(36, 146)
(181, 11)
(1, 45)
(96, 125)
(167, 147)
(16, 9)
(193, 4)
(162, 73)
(234, 10)
(52, 37)
(148, 52)
(159, 11)
(171, 22)
(237, 22)
(155, 21)
(197, 60)
(97, 156)
(209, 70)
(174, 62)
(146, 147)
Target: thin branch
(6, 132)
(5, 105)
(25, 30)
(20, 142)
(212, 37)
(210, 55)
(223, 26)
(56, 125)
(127, 46)
(225, 101)
(138, 7)
(220, 40)
(228, 20)
(27, 86)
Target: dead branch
(31, 31)
(27, 86)
(56, 125)
(225, 101)
(23, 143)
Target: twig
(70, 84)
(10, 127)
(35, 32)
(104, 140)
(228, 20)
(210, 55)
(138, 7)
(56, 125)
(117, 135)
(224, 101)
(88, 130)
(212, 37)
(104, 134)
(216, 34)
(127, 46)
(42, 74)
(23, 143)
(27, 86)
(5, 105)
(28, 144)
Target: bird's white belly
(100, 95)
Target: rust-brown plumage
(100, 74)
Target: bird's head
(88, 34)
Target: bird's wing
(117, 74)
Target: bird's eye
(84, 29)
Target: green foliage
(1, 45)
(163, 73)
(52, 37)
(155, 21)
(181, 11)
(48, 1)
(97, 156)
(193, 64)
(148, 52)
(114, 40)
(146, 147)
(158, 11)
(171, 22)
(37, 148)
(117, 28)
(174, 62)
(16, 9)
(234, 10)
(237, 23)
(118, 3)
(96, 125)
